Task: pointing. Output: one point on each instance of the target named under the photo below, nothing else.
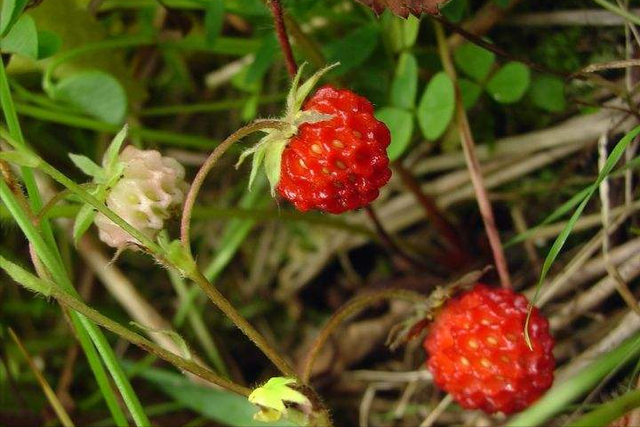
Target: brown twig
(434, 214)
(388, 242)
(283, 38)
(473, 165)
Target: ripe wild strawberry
(330, 155)
(478, 354)
(339, 164)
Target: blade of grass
(561, 395)
(61, 413)
(612, 160)
(47, 244)
(609, 411)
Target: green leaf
(49, 43)
(11, 10)
(25, 278)
(509, 83)
(474, 61)
(216, 405)
(110, 157)
(547, 92)
(95, 93)
(405, 83)
(436, 106)
(454, 10)
(21, 158)
(400, 123)
(273, 395)
(83, 221)
(263, 60)
(353, 49)
(22, 39)
(469, 91)
(213, 20)
(410, 29)
(87, 166)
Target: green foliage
(400, 123)
(213, 20)
(272, 396)
(474, 61)
(405, 83)
(436, 106)
(95, 93)
(9, 14)
(455, 10)
(22, 38)
(353, 49)
(547, 92)
(509, 83)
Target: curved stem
(225, 306)
(185, 221)
(350, 308)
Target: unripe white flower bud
(151, 188)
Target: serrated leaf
(273, 395)
(354, 48)
(21, 158)
(510, 83)
(49, 43)
(474, 61)
(213, 20)
(87, 166)
(110, 157)
(95, 93)
(404, 8)
(22, 39)
(83, 221)
(11, 10)
(470, 92)
(547, 92)
(405, 83)
(400, 124)
(436, 106)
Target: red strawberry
(330, 155)
(339, 164)
(477, 351)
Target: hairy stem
(283, 38)
(473, 165)
(350, 308)
(185, 221)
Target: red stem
(283, 38)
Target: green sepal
(88, 167)
(272, 162)
(176, 254)
(83, 221)
(271, 398)
(110, 159)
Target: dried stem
(473, 165)
(283, 38)
(434, 214)
(190, 200)
(388, 242)
(355, 305)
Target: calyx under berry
(268, 151)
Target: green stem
(241, 323)
(70, 301)
(619, 11)
(160, 136)
(185, 221)
(82, 325)
(352, 307)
